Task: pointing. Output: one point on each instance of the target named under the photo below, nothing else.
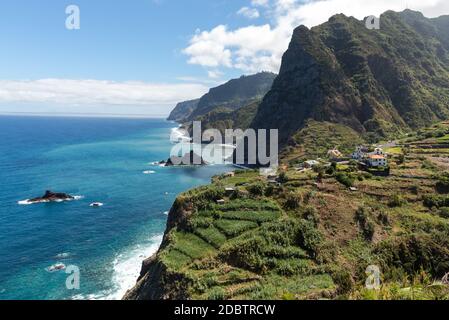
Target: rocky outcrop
(50, 196)
(183, 110)
(156, 281)
(189, 159)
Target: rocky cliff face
(379, 81)
(183, 110)
(156, 280)
(235, 94)
(226, 98)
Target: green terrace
(244, 247)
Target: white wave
(96, 205)
(179, 135)
(24, 202)
(166, 213)
(56, 267)
(64, 255)
(126, 270)
(27, 202)
(149, 172)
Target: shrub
(365, 224)
(256, 189)
(203, 196)
(310, 214)
(396, 201)
(367, 175)
(345, 179)
(217, 293)
(331, 170)
(436, 201)
(343, 279)
(412, 253)
(310, 237)
(294, 200)
(444, 212)
(269, 191)
(383, 218)
(283, 178)
(415, 189)
(318, 169)
(443, 183)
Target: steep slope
(183, 110)
(379, 81)
(235, 94)
(222, 118)
(310, 237)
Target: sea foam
(126, 269)
(27, 202)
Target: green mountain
(231, 96)
(235, 93)
(313, 234)
(223, 118)
(183, 110)
(377, 82)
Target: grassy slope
(309, 240)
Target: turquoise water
(100, 159)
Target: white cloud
(250, 13)
(259, 3)
(214, 74)
(255, 48)
(67, 92)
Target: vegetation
(309, 240)
(345, 179)
(304, 240)
(234, 94)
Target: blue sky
(118, 40)
(143, 56)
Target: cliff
(379, 82)
(183, 110)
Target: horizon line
(83, 115)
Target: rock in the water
(50, 196)
(189, 159)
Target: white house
(377, 160)
(378, 151)
(359, 153)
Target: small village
(371, 159)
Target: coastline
(126, 270)
(108, 244)
(139, 267)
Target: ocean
(107, 160)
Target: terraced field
(227, 248)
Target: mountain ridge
(380, 81)
(230, 96)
